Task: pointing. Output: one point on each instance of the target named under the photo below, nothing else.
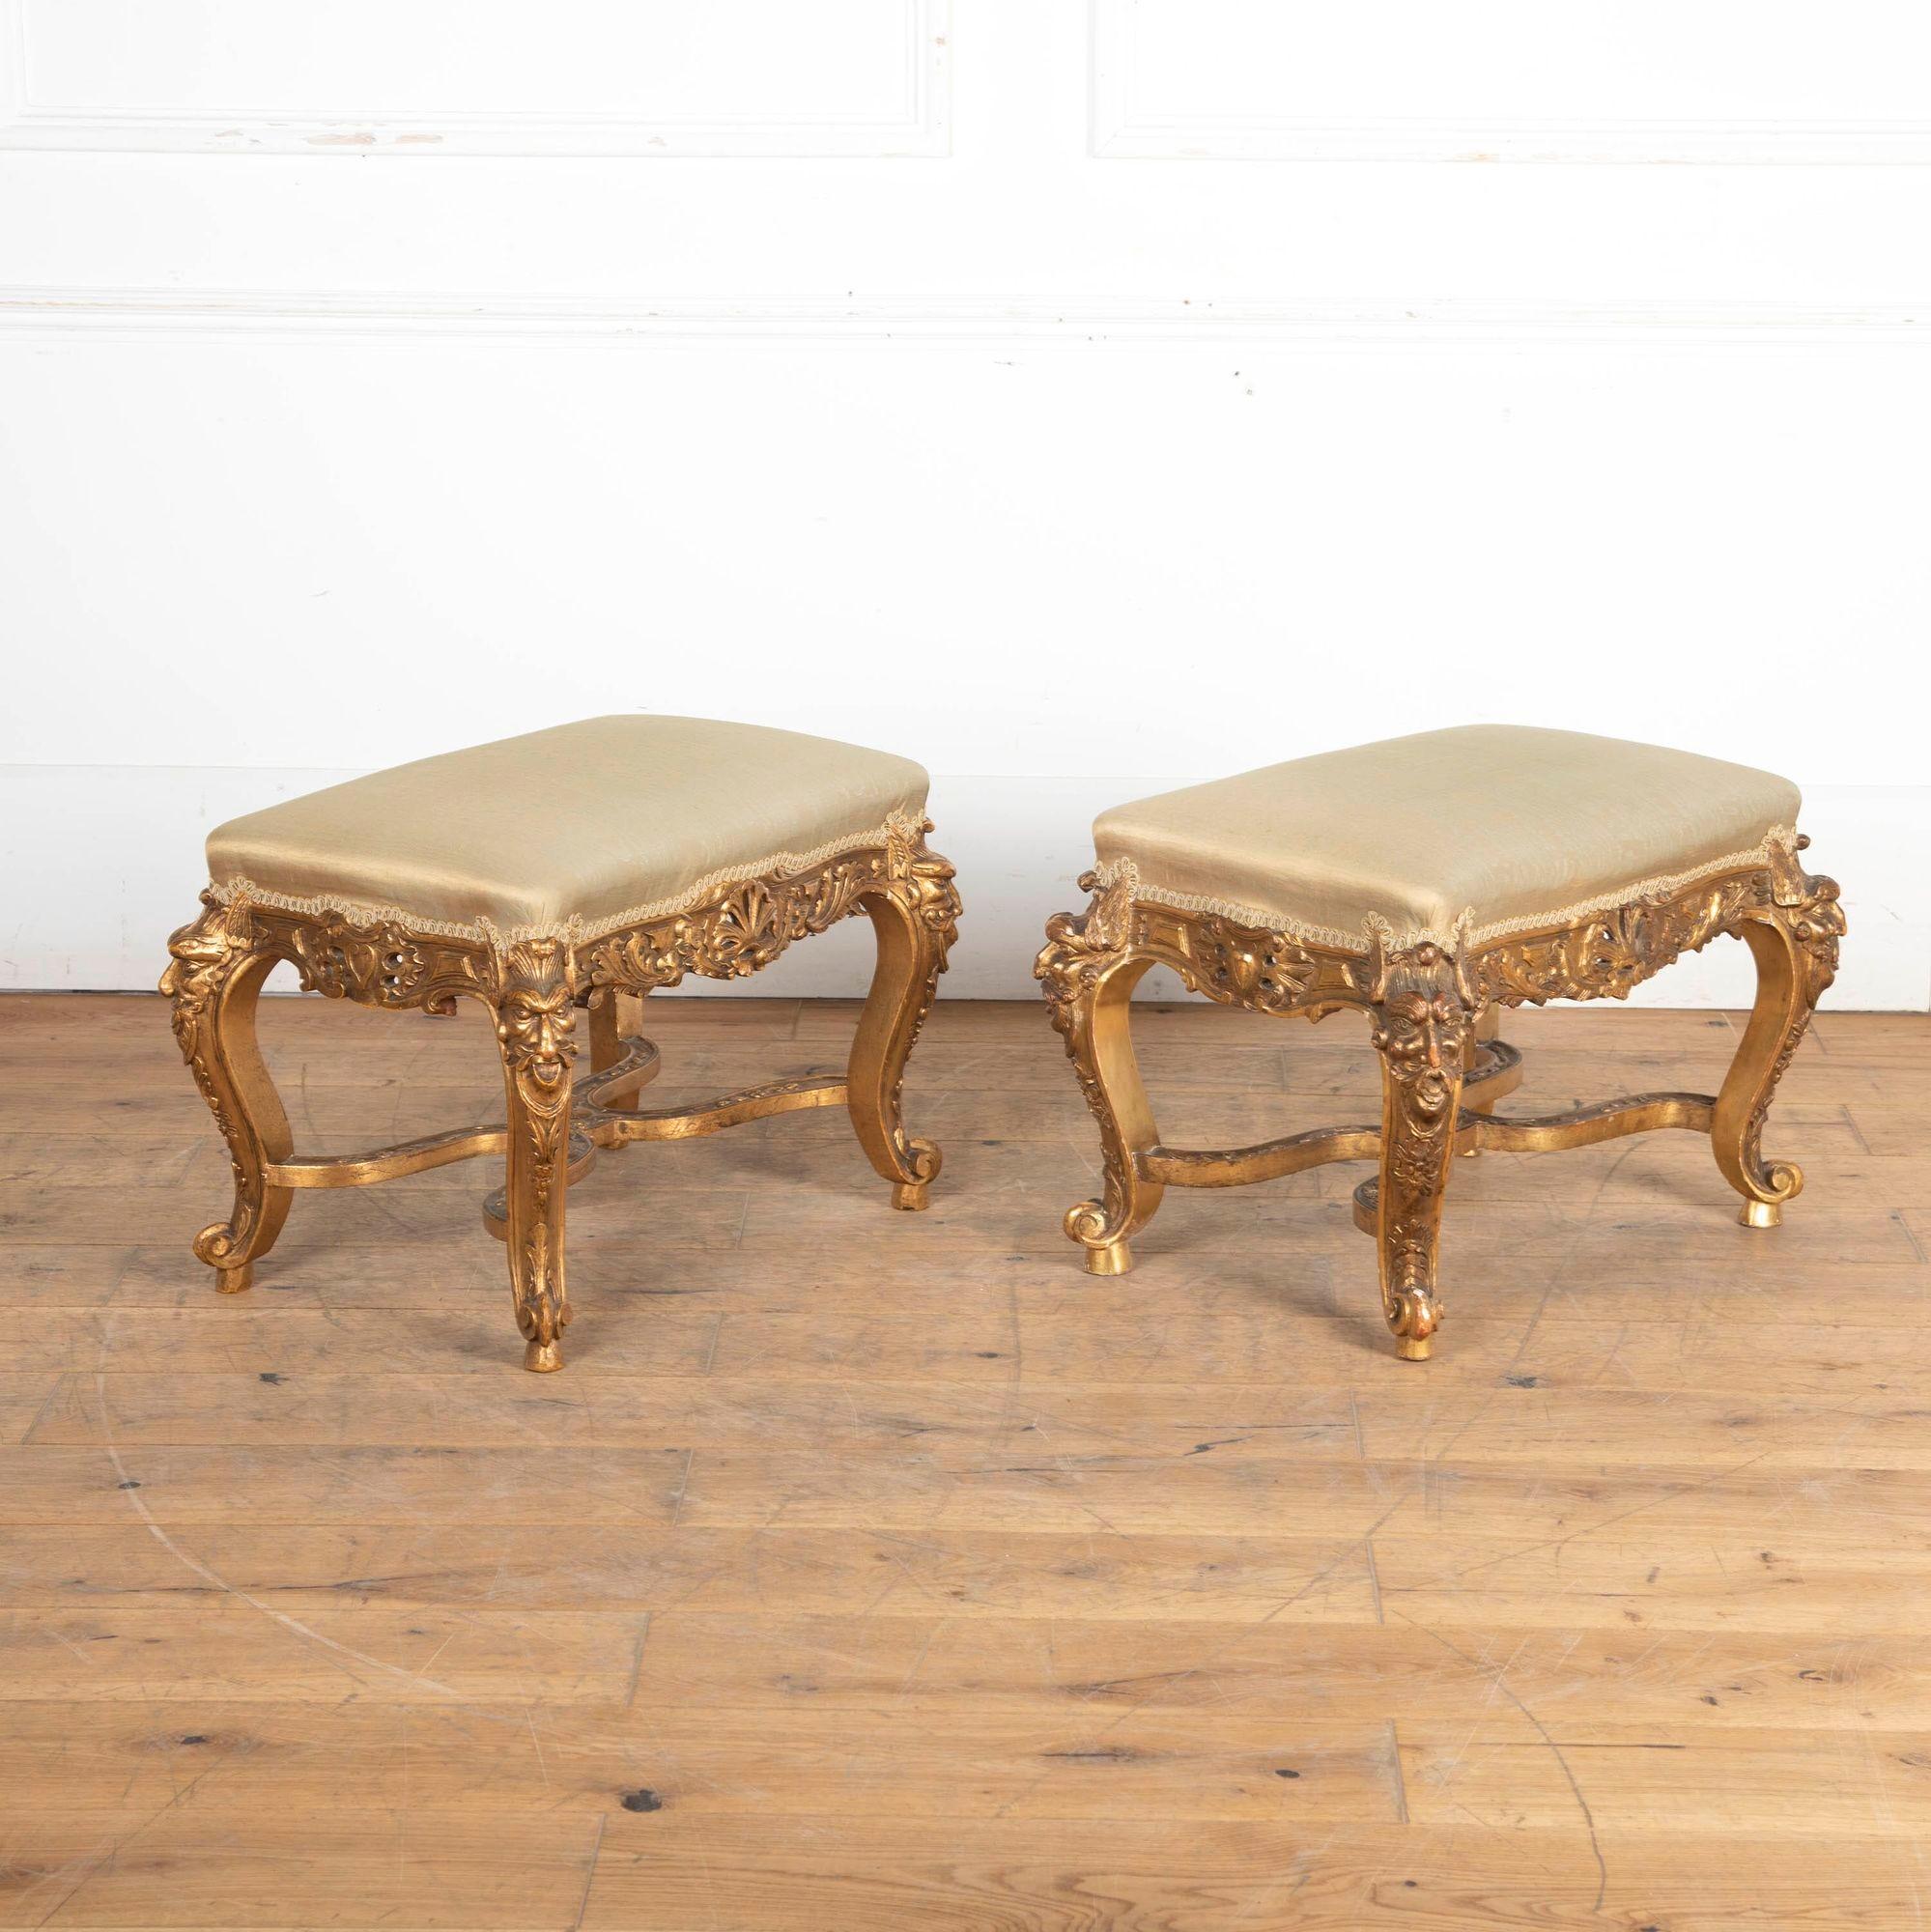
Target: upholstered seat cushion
(606, 819)
(1511, 826)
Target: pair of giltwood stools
(1425, 882)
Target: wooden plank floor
(868, 1571)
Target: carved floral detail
(1080, 945)
(1604, 956)
(378, 962)
(751, 923)
(1601, 956)
(1267, 973)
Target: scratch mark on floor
(590, 1876)
(1498, 1678)
(194, 1564)
(683, 1483)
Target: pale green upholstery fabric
(1514, 826)
(587, 821)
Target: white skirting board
(99, 863)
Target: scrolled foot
(1413, 1321)
(1102, 1237)
(231, 1247)
(1773, 1185)
(1776, 1182)
(225, 1247)
(543, 1321)
(913, 1195)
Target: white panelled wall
(1079, 400)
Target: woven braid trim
(574, 931)
(1465, 936)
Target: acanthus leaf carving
(736, 934)
(1608, 953)
(745, 928)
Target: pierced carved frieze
(1237, 965)
(1266, 971)
(1600, 956)
(376, 962)
(389, 963)
(380, 962)
(750, 924)
(1608, 953)
(732, 936)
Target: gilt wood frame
(534, 987)
(1432, 1010)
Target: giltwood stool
(541, 876)
(1427, 882)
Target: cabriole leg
(1796, 951)
(1091, 993)
(216, 982)
(1423, 1033)
(534, 1024)
(915, 919)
